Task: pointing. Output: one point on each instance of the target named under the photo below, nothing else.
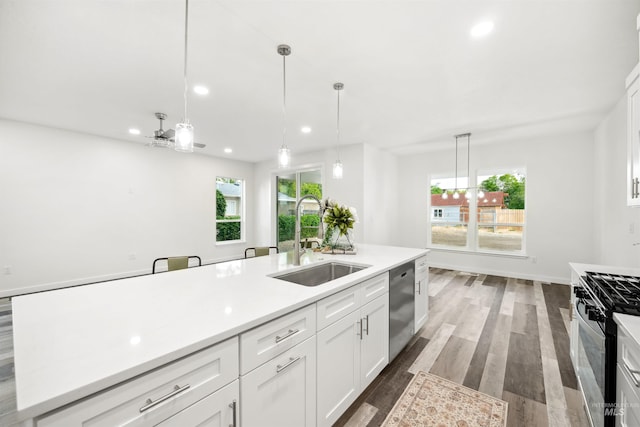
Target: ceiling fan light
(284, 156)
(337, 170)
(184, 137)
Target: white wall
(617, 226)
(78, 208)
(367, 185)
(559, 204)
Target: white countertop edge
(630, 324)
(35, 409)
(581, 268)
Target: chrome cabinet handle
(234, 408)
(632, 374)
(289, 334)
(367, 319)
(419, 290)
(359, 323)
(176, 389)
(291, 361)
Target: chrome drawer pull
(176, 389)
(632, 374)
(359, 323)
(291, 361)
(289, 334)
(367, 319)
(234, 408)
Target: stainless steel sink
(319, 274)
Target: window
(488, 217)
(229, 209)
(290, 188)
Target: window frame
(473, 224)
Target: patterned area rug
(430, 400)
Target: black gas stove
(600, 296)
(616, 292)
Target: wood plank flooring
(502, 336)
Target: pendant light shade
(184, 131)
(284, 154)
(445, 195)
(337, 166)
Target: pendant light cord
(338, 128)
(186, 26)
(284, 99)
(456, 189)
(468, 157)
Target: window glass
(449, 214)
(291, 188)
(488, 215)
(229, 209)
(501, 211)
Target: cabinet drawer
(127, 404)
(422, 269)
(336, 306)
(374, 287)
(271, 339)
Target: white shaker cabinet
(352, 350)
(282, 392)
(633, 138)
(421, 293)
(219, 409)
(627, 408)
(374, 339)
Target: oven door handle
(598, 334)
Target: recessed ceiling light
(228, 150)
(482, 29)
(134, 131)
(201, 90)
(305, 129)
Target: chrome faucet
(296, 242)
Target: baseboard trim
(514, 274)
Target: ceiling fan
(165, 137)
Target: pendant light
(337, 166)
(184, 131)
(284, 154)
(468, 189)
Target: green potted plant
(339, 220)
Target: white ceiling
(413, 75)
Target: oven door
(591, 363)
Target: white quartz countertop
(580, 269)
(73, 342)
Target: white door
(374, 353)
(219, 409)
(338, 368)
(282, 392)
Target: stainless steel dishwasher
(401, 307)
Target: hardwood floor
(502, 336)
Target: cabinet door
(219, 409)
(374, 348)
(282, 392)
(338, 368)
(422, 303)
(633, 141)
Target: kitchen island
(72, 343)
